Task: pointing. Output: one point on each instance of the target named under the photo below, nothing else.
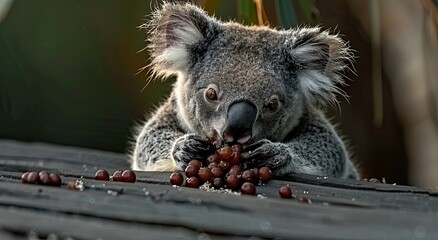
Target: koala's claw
(257, 160)
(252, 147)
(265, 153)
(189, 147)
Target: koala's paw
(265, 153)
(188, 147)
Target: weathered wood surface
(152, 209)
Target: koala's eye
(272, 105)
(211, 94)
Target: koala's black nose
(240, 120)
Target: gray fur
(301, 67)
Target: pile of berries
(118, 176)
(223, 170)
(42, 178)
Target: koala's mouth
(217, 140)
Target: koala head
(243, 83)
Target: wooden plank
(223, 214)
(17, 220)
(407, 201)
(41, 153)
(71, 161)
(340, 209)
(349, 184)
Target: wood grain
(152, 209)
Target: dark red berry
(71, 185)
(55, 180)
(193, 182)
(176, 178)
(212, 165)
(212, 158)
(33, 178)
(232, 182)
(218, 183)
(196, 163)
(128, 176)
(248, 176)
(265, 174)
(224, 165)
(235, 170)
(302, 199)
(117, 176)
(191, 171)
(248, 188)
(285, 192)
(237, 148)
(225, 153)
(217, 172)
(40, 173)
(374, 180)
(44, 178)
(256, 175)
(102, 175)
(204, 174)
(235, 158)
(24, 177)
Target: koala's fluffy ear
(177, 32)
(319, 60)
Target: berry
(304, 200)
(102, 175)
(212, 165)
(235, 170)
(217, 172)
(176, 178)
(192, 182)
(248, 176)
(225, 153)
(42, 173)
(196, 163)
(374, 180)
(224, 165)
(33, 178)
(71, 185)
(233, 182)
(204, 174)
(248, 188)
(256, 175)
(191, 171)
(44, 178)
(235, 158)
(265, 174)
(24, 177)
(285, 192)
(128, 176)
(55, 180)
(218, 183)
(237, 148)
(117, 176)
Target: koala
(260, 87)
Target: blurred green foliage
(68, 69)
(287, 14)
(247, 11)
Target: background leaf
(286, 13)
